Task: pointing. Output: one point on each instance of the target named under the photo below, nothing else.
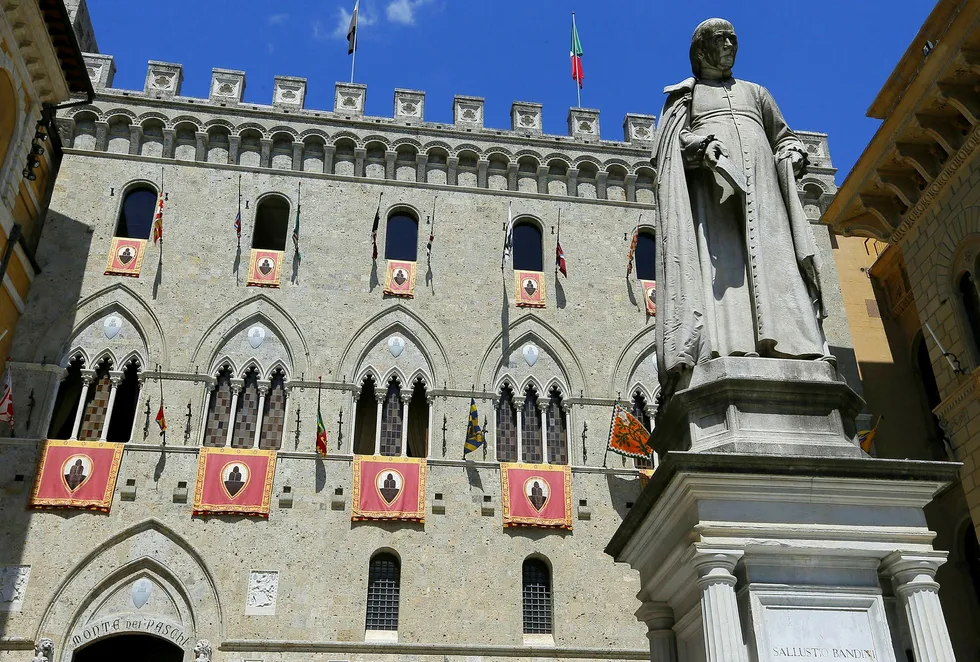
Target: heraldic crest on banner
(234, 481)
(77, 474)
(650, 296)
(388, 488)
(529, 289)
(536, 495)
(400, 279)
(627, 436)
(264, 268)
(125, 257)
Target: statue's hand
(715, 150)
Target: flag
(509, 237)
(321, 434)
(352, 31)
(158, 220)
(865, 437)
(576, 55)
(374, 232)
(629, 256)
(296, 235)
(627, 436)
(474, 433)
(560, 260)
(7, 399)
(161, 419)
(238, 224)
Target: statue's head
(713, 48)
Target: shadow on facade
(622, 490)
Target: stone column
(66, 130)
(101, 136)
(297, 155)
(542, 179)
(631, 188)
(135, 138)
(263, 391)
(379, 397)
(572, 182)
(285, 415)
(236, 388)
(355, 395)
(328, 153)
(265, 154)
(359, 154)
(429, 400)
(209, 387)
(405, 400)
(201, 146)
(482, 166)
(518, 402)
(719, 607)
(600, 185)
(390, 165)
(512, 176)
(115, 378)
(566, 411)
(452, 163)
(541, 406)
(659, 618)
(168, 143)
(421, 161)
(88, 376)
(234, 145)
(914, 579)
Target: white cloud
(364, 19)
(403, 11)
(278, 19)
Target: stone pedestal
(766, 535)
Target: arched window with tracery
(531, 442)
(123, 403)
(391, 421)
(418, 421)
(219, 409)
(246, 410)
(66, 402)
(640, 411)
(96, 401)
(383, 594)
(556, 429)
(528, 264)
(273, 411)
(365, 418)
(506, 426)
(536, 594)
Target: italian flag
(576, 55)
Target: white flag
(509, 237)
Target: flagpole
(354, 54)
(239, 228)
(578, 87)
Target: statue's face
(719, 48)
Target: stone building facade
(97, 354)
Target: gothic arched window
(271, 224)
(219, 410)
(124, 404)
(532, 449)
(384, 584)
(536, 583)
(96, 403)
(274, 412)
(639, 411)
(528, 255)
(246, 411)
(136, 213)
(506, 427)
(402, 237)
(418, 422)
(557, 430)
(365, 419)
(391, 421)
(66, 403)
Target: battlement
(164, 81)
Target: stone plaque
(263, 585)
(13, 585)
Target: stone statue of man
(737, 272)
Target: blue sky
(824, 62)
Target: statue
(43, 650)
(738, 266)
(202, 651)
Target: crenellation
(289, 93)
(163, 79)
(526, 117)
(227, 86)
(468, 111)
(101, 70)
(409, 105)
(349, 99)
(638, 128)
(583, 123)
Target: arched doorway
(125, 647)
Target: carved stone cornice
(951, 410)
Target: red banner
(234, 481)
(264, 268)
(76, 474)
(400, 279)
(536, 495)
(388, 488)
(650, 295)
(529, 289)
(125, 257)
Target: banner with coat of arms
(234, 481)
(388, 488)
(125, 257)
(264, 268)
(76, 474)
(529, 289)
(400, 279)
(536, 495)
(650, 296)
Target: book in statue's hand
(729, 178)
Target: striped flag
(352, 31)
(508, 237)
(474, 433)
(629, 256)
(161, 419)
(158, 220)
(296, 235)
(238, 224)
(7, 399)
(560, 260)
(374, 232)
(576, 54)
(321, 434)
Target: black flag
(352, 31)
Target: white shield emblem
(255, 336)
(141, 591)
(530, 353)
(395, 345)
(111, 326)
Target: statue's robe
(739, 277)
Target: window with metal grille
(537, 597)
(557, 432)
(506, 427)
(391, 421)
(531, 447)
(384, 579)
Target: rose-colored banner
(388, 488)
(77, 474)
(536, 495)
(650, 296)
(264, 268)
(400, 279)
(529, 289)
(125, 257)
(234, 481)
